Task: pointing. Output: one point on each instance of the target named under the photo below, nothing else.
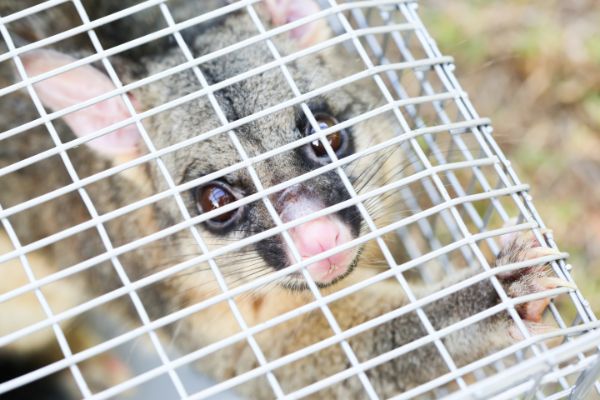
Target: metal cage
(459, 187)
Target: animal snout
(316, 236)
(320, 235)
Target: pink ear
(76, 86)
(284, 11)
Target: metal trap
(83, 244)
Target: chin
(296, 282)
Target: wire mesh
(144, 252)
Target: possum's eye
(215, 195)
(337, 140)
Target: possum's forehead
(247, 98)
(240, 100)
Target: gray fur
(197, 284)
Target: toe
(533, 310)
(536, 252)
(534, 328)
(524, 246)
(551, 282)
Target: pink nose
(317, 236)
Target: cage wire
(461, 190)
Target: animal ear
(284, 11)
(78, 85)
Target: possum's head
(219, 152)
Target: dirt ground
(533, 67)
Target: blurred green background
(533, 67)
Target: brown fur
(198, 283)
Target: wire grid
(379, 32)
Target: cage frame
(443, 66)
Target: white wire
(216, 271)
(205, 216)
(197, 94)
(322, 344)
(444, 205)
(526, 207)
(60, 336)
(270, 232)
(296, 253)
(386, 252)
(522, 371)
(261, 281)
(137, 302)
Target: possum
(211, 157)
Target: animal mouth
(322, 234)
(323, 276)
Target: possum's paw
(523, 246)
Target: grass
(534, 68)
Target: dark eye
(336, 139)
(214, 195)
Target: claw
(507, 238)
(551, 282)
(540, 329)
(537, 252)
(533, 328)
(520, 237)
(530, 235)
(520, 246)
(515, 333)
(534, 310)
